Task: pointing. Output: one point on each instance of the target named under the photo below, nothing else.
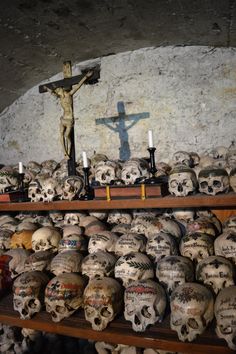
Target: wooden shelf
(119, 331)
(198, 200)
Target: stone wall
(186, 95)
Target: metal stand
(153, 179)
(21, 188)
(89, 194)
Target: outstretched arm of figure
(77, 87)
(111, 127)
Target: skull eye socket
(32, 304)
(60, 309)
(145, 312)
(173, 183)
(226, 330)
(203, 185)
(216, 184)
(193, 323)
(105, 312)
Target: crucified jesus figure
(67, 119)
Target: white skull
(184, 214)
(16, 261)
(28, 290)
(160, 245)
(72, 186)
(34, 190)
(56, 216)
(213, 180)
(225, 245)
(182, 158)
(119, 217)
(66, 262)
(196, 246)
(230, 223)
(107, 171)
(225, 314)
(133, 266)
(121, 229)
(98, 265)
(72, 218)
(219, 152)
(141, 224)
(232, 179)
(182, 181)
(34, 166)
(231, 158)
(102, 241)
(64, 295)
(108, 348)
(145, 304)
(8, 181)
(191, 310)
(100, 215)
(92, 225)
(130, 242)
(5, 238)
(46, 238)
(164, 224)
(202, 224)
(49, 189)
(103, 300)
(216, 272)
(38, 261)
(133, 169)
(172, 271)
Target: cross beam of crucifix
(64, 90)
(118, 125)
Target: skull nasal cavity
(97, 321)
(136, 320)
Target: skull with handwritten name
(98, 265)
(225, 245)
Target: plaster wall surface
(186, 95)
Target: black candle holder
(21, 182)
(88, 195)
(153, 170)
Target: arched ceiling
(36, 36)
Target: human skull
(191, 310)
(130, 242)
(46, 238)
(72, 218)
(16, 261)
(8, 181)
(225, 245)
(107, 171)
(219, 152)
(56, 216)
(22, 239)
(133, 266)
(92, 225)
(141, 224)
(145, 304)
(108, 348)
(103, 300)
(38, 261)
(202, 224)
(102, 241)
(172, 271)
(28, 290)
(232, 179)
(230, 223)
(196, 246)
(99, 214)
(34, 190)
(34, 166)
(5, 238)
(133, 169)
(119, 217)
(48, 166)
(182, 181)
(121, 229)
(225, 314)
(184, 214)
(49, 189)
(66, 262)
(72, 186)
(213, 180)
(64, 295)
(231, 158)
(98, 265)
(182, 158)
(216, 272)
(164, 224)
(161, 245)
(27, 225)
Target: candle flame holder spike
(89, 193)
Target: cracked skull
(46, 238)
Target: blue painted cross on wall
(118, 124)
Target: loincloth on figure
(67, 122)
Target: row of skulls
(120, 250)
(187, 173)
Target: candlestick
(150, 139)
(88, 195)
(85, 160)
(20, 167)
(153, 179)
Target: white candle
(150, 139)
(85, 160)
(20, 167)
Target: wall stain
(13, 144)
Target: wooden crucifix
(121, 124)
(64, 90)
